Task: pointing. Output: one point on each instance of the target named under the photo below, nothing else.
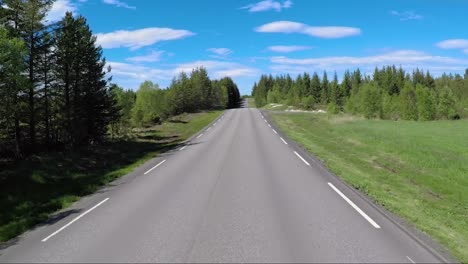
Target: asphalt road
(237, 192)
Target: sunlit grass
(418, 170)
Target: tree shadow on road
(32, 189)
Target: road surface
(237, 192)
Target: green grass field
(417, 170)
(33, 189)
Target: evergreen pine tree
(88, 104)
(315, 87)
(324, 97)
(12, 55)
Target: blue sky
(156, 39)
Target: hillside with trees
(56, 93)
(390, 93)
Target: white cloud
(153, 56)
(395, 57)
(287, 4)
(139, 38)
(453, 44)
(131, 75)
(218, 69)
(220, 51)
(268, 5)
(300, 28)
(406, 15)
(287, 49)
(138, 72)
(408, 59)
(461, 44)
(236, 72)
(118, 3)
(58, 10)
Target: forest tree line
(390, 93)
(54, 92)
(186, 94)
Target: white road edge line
(74, 220)
(284, 141)
(208, 129)
(275, 132)
(159, 164)
(412, 261)
(265, 121)
(199, 136)
(372, 222)
(183, 148)
(297, 154)
(269, 125)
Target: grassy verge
(276, 107)
(32, 189)
(418, 170)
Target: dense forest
(390, 93)
(55, 92)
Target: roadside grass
(417, 170)
(276, 107)
(32, 189)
